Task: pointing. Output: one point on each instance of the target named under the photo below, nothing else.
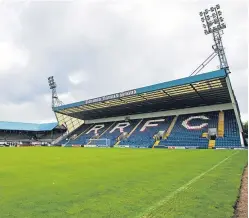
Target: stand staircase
(221, 124)
(211, 144)
(167, 133)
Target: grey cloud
(119, 46)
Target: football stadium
(191, 165)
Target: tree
(245, 127)
(245, 130)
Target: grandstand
(137, 176)
(16, 133)
(199, 111)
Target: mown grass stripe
(172, 194)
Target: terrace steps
(211, 144)
(84, 131)
(134, 128)
(167, 134)
(156, 143)
(221, 124)
(107, 129)
(204, 135)
(117, 143)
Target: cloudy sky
(99, 47)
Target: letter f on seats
(151, 123)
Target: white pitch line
(171, 195)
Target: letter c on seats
(186, 124)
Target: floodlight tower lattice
(55, 99)
(213, 23)
(69, 122)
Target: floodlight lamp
(219, 13)
(210, 24)
(218, 6)
(201, 13)
(50, 80)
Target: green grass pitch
(90, 182)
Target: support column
(235, 108)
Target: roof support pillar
(235, 108)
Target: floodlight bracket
(203, 64)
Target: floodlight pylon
(213, 23)
(55, 99)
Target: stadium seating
(186, 136)
(73, 138)
(188, 130)
(115, 132)
(43, 136)
(88, 133)
(15, 135)
(231, 132)
(144, 137)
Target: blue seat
(183, 133)
(145, 138)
